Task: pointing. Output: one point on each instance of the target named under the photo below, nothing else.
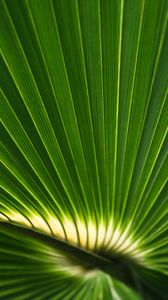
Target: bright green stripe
(15, 168)
(149, 216)
(132, 30)
(150, 38)
(35, 106)
(155, 127)
(75, 69)
(22, 141)
(111, 26)
(90, 17)
(60, 82)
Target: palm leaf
(84, 149)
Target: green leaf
(84, 149)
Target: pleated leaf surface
(84, 149)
